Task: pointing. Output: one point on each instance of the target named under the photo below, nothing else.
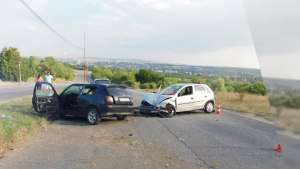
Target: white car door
(185, 99)
(200, 96)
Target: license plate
(124, 99)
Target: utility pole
(20, 72)
(235, 76)
(84, 59)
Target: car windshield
(102, 82)
(170, 90)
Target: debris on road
(12, 148)
(4, 116)
(130, 134)
(181, 139)
(167, 165)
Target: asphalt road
(210, 141)
(13, 93)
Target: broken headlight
(162, 104)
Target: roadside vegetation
(30, 68)
(23, 125)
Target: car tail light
(171, 94)
(109, 99)
(197, 82)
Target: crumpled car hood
(154, 98)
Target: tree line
(148, 79)
(9, 67)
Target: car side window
(73, 89)
(89, 90)
(186, 91)
(199, 88)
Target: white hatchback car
(180, 98)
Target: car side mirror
(179, 94)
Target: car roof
(184, 84)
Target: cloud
(30, 27)
(233, 57)
(275, 29)
(148, 28)
(161, 5)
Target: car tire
(93, 117)
(170, 111)
(209, 107)
(121, 118)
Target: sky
(275, 29)
(199, 32)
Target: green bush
(152, 85)
(144, 86)
(230, 89)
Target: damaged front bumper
(148, 110)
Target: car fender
(95, 107)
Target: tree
(218, 85)
(9, 64)
(33, 66)
(147, 76)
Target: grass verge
(24, 123)
(245, 103)
(12, 84)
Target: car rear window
(102, 82)
(116, 91)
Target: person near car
(48, 79)
(39, 79)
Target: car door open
(45, 100)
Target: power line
(38, 17)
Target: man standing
(48, 78)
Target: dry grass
(13, 85)
(250, 103)
(148, 90)
(59, 80)
(287, 119)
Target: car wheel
(122, 118)
(93, 117)
(170, 111)
(209, 107)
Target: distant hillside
(285, 84)
(160, 66)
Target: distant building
(170, 71)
